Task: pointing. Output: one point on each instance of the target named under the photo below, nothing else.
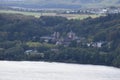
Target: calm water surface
(55, 71)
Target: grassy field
(37, 44)
(38, 14)
(78, 16)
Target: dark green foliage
(51, 20)
(17, 30)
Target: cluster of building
(57, 39)
(107, 10)
(95, 44)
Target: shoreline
(58, 63)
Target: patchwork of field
(38, 14)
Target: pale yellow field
(38, 14)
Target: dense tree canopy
(19, 33)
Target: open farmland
(38, 14)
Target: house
(95, 44)
(56, 35)
(28, 52)
(71, 35)
(46, 38)
(34, 53)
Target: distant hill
(60, 3)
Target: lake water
(55, 71)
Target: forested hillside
(21, 39)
